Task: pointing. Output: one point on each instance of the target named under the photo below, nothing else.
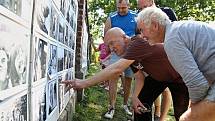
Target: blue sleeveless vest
(127, 23)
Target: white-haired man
(190, 47)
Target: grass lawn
(95, 104)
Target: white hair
(153, 13)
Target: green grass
(95, 104)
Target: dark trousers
(153, 88)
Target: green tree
(202, 10)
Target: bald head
(117, 40)
(113, 34)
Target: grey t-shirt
(190, 47)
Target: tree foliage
(202, 10)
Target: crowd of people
(163, 56)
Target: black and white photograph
(65, 64)
(63, 5)
(60, 56)
(52, 66)
(14, 109)
(68, 76)
(40, 58)
(60, 93)
(54, 23)
(38, 103)
(71, 19)
(52, 95)
(43, 15)
(18, 66)
(13, 5)
(13, 55)
(66, 35)
(67, 16)
(70, 59)
(66, 8)
(61, 29)
(71, 42)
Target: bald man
(141, 56)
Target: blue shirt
(127, 22)
(190, 47)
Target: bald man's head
(117, 40)
(113, 33)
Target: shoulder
(113, 14)
(137, 42)
(133, 12)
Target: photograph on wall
(43, 15)
(65, 59)
(61, 29)
(70, 59)
(40, 58)
(66, 8)
(60, 93)
(60, 56)
(66, 35)
(68, 76)
(19, 7)
(13, 5)
(14, 109)
(62, 6)
(39, 103)
(52, 95)
(71, 19)
(71, 42)
(13, 57)
(67, 16)
(54, 23)
(52, 66)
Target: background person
(124, 19)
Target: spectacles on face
(114, 44)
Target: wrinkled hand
(76, 84)
(136, 105)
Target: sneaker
(156, 118)
(125, 107)
(110, 113)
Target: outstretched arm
(109, 73)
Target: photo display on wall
(36, 60)
(39, 103)
(14, 109)
(43, 15)
(14, 57)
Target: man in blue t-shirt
(124, 19)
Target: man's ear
(154, 25)
(126, 39)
